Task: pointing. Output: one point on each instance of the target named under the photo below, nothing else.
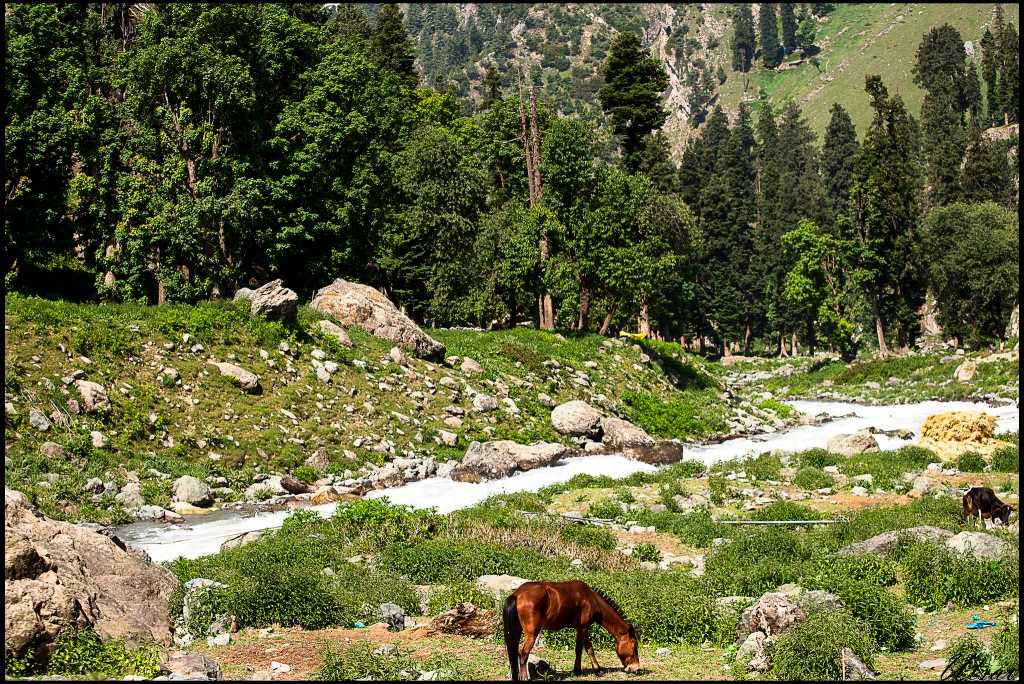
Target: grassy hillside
(862, 39)
(372, 410)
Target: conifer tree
(972, 92)
(770, 228)
(656, 163)
(631, 94)
(1009, 75)
(743, 42)
(768, 28)
(837, 159)
(492, 87)
(390, 45)
(789, 23)
(990, 75)
(986, 175)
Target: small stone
(51, 450)
(99, 440)
(318, 354)
(38, 420)
(935, 664)
(396, 355)
(279, 667)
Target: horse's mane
(611, 602)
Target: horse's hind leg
(590, 651)
(524, 654)
(581, 635)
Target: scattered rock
(51, 450)
(618, 433)
(130, 496)
(980, 545)
(965, 371)
(753, 652)
(336, 332)
(471, 367)
(191, 666)
(448, 438)
(662, 453)
(293, 485)
(94, 396)
(59, 576)
(192, 491)
(393, 615)
(883, 543)
(853, 444)
(38, 420)
(498, 585)
(359, 305)
(852, 668)
(248, 381)
(575, 418)
(318, 459)
(274, 301)
(98, 440)
(396, 355)
(241, 539)
(489, 460)
(485, 402)
(772, 614)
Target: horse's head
(1003, 513)
(627, 648)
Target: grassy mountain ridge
(566, 46)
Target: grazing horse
(982, 502)
(556, 605)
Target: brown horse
(556, 605)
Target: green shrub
(889, 617)
(783, 411)
(695, 528)
(624, 495)
(787, 510)
(1006, 460)
(1008, 437)
(379, 522)
(968, 659)
(645, 551)
(944, 512)
(607, 509)
(589, 535)
(866, 567)
(718, 488)
(442, 561)
(1006, 649)
(361, 661)
(80, 652)
(817, 458)
(301, 520)
(811, 478)
(690, 414)
(810, 650)
(758, 561)
(763, 467)
(456, 593)
(934, 576)
(887, 467)
(970, 462)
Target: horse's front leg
(590, 651)
(524, 654)
(581, 636)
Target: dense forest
(177, 152)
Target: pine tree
(837, 159)
(390, 45)
(768, 27)
(1009, 74)
(789, 23)
(768, 262)
(990, 75)
(884, 214)
(492, 87)
(940, 67)
(631, 94)
(972, 92)
(656, 163)
(986, 175)
(743, 41)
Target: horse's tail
(513, 630)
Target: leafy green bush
(301, 520)
(362, 661)
(691, 414)
(607, 509)
(624, 495)
(810, 650)
(758, 561)
(970, 462)
(888, 616)
(80, 652)
(695, 528)
(934, 576)
(589, 535)
(1006, 460)
(968, 659)
(645, 551)
(866, 567)
(718, 487)
(442, 560)
(944, 512)
(783, 411)
(817, 458)
(1006, 649)
(787, 510)
(380, 522)
(887, 467)
(811, 478)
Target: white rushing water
(205, 535)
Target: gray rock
(274, 301)
(575, 418)
(485, 402)
(883, 543)
(51, 450)
(98, 440)
(753, 652)
(318, 459)
(489, 460)
(38, 420)
(471, 367)
(335, 331)
(772, 614)
(499, 585)
(965, 371)
(130, 496)
(980, 545)
(852, 668)
(448, 438)
(94, 396)
(192, 490)
(353, 304)
(247, 380)
(816, 599)
(241, 539)
(620, 433)
(853, 444)
(192, 666)
(393, 615)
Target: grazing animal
(981, 502)
(557, 605)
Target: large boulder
(980, 545)
(501, 458)
(576, 418)
(353, 304)
(772, 614)
(662, 453)
(497, 585)
(248, 381)
(192, 490)
(965, 371)
(60, 576)
(620, 433)
(273, 301)
(852, 668)
(882, 543)
(853, 444)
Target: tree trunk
(748, 334)
(703, 345)
(782, 345)
(726, 351)
(607, 322)
(883, 350)
(584, 312)
(796, 347)
(812, 340)
(643, 322)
